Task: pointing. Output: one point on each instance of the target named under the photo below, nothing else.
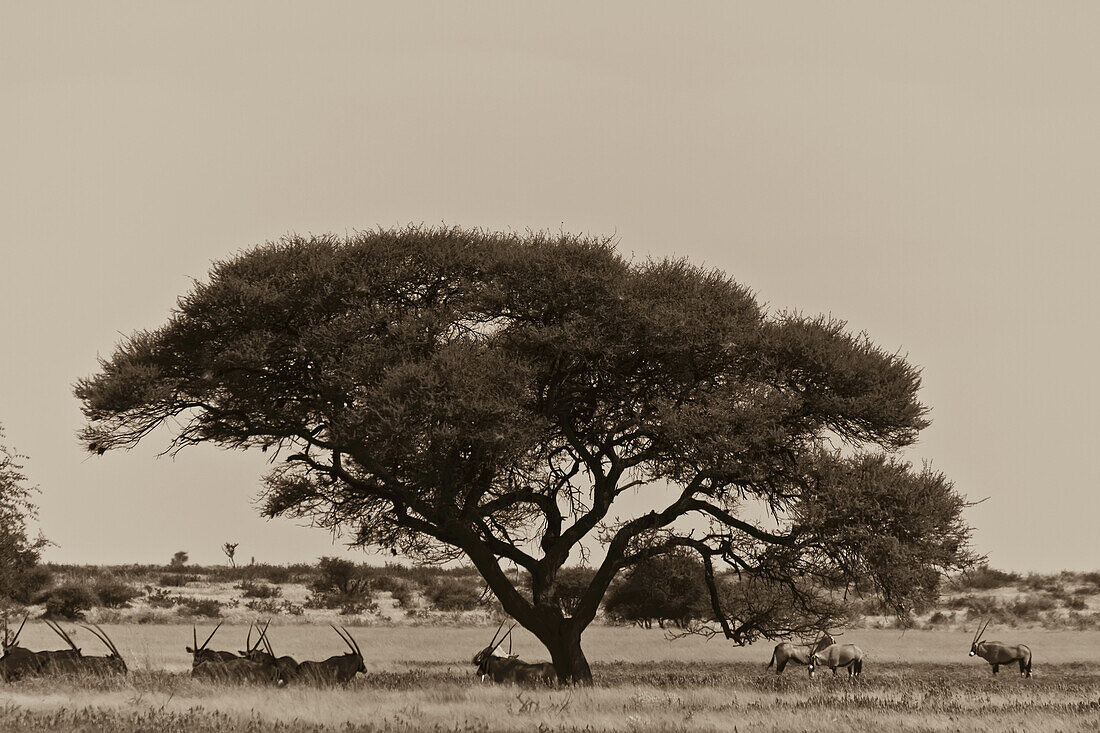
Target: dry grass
(420, 679)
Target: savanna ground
(419, 678)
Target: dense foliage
(20, 576)
(445, 393)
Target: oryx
(799, 653)
(110, 664)
(998, 653)
(200, 654)
(232, 668)
(511, 669)
(838, 655)
(341, 669)
(286, 667)
(16, 661)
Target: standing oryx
(510, 669)
(799, 653)
(838, 655)
(341, 669)
(998, 653)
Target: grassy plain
(420, 679)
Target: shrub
(258, 590)
(176, 581)
(115, 594)
(68, 601)
(450, 594)
(405, 593)
(200, 607)
(984, 578)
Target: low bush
(452, 594)
(207, 607)
(176, 580)
(68, 601)
(252, 589)
(115, 594)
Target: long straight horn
(195, 637)
(503, 638)
(986, 626)
(101, 637)
(248, 639)
(494, 641)
(211, 635)
(15, 638)
(353, 642)
(61, 632)
(107, 639)
(350, 646)
(260, 640)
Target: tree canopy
(450, 393)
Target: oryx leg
(783, 663)
(995, 668)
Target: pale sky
(929, 172)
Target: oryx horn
(494, 640)
(209, 637)
(61, 632)
(102, 636)
(503, 638)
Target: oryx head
(823, 641)
(196, 650)
(483, 656)
(352, 645)
(978, 637)
(251, 649)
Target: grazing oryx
(110, 664)
(341, 669)
(998, 653)
(510, 669)
(838, 655)
(16, 661)
(200, 654)
(799, 653)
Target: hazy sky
(929, 172)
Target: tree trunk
(564, 644)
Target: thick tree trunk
(564, 644)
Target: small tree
(230, 549)
(20, 579)
(178, 560)
(449, 393)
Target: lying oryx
(510, 669)
(799, 653)
(200, 654)
(838, 655)
(998, 653)
(16, 661)
(341, 668)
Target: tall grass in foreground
(669, 696)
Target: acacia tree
(449, 393)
